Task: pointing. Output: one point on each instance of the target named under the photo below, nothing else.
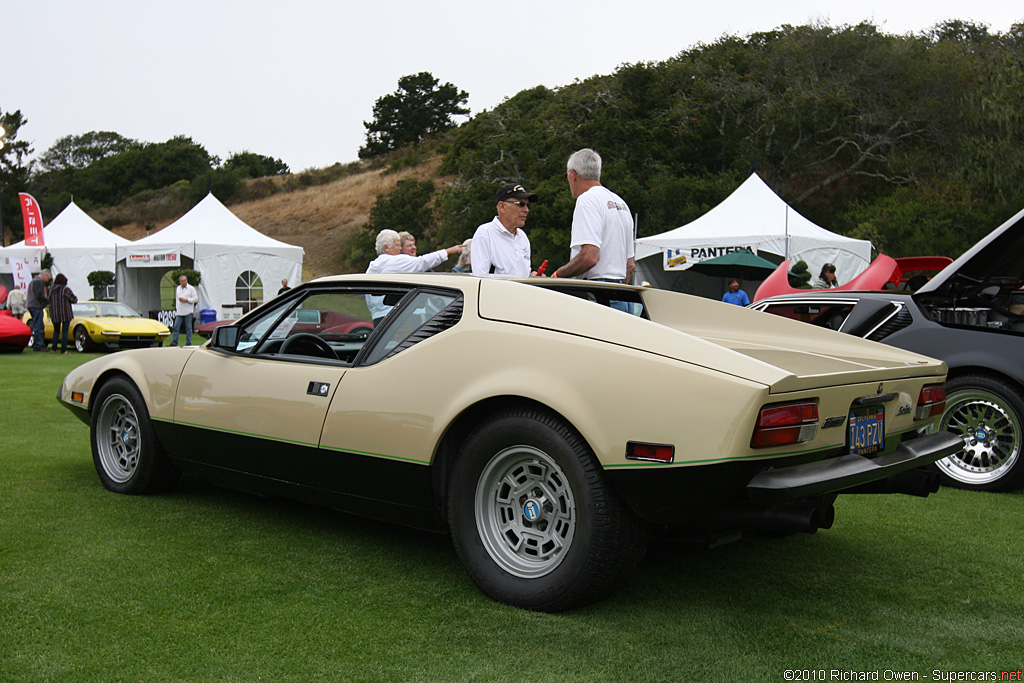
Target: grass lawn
(207, 584)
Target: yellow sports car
(109, 325)
(547, 425)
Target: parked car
(970, 315)
(544, 430)
(109, 325)
(883, 273)
(14, 334)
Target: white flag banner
(22, 273)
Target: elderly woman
(408, 243)
(392, 260)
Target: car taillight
(653, 452)
(779, 424)
(930, 402)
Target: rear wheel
(82, 341)
(127, 455)
(988, 414)
(533, 518)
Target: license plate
(867, 431)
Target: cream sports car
(547, 425)
(109, 325)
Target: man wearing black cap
(501, 247)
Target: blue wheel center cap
(980, 434)
(531, 510)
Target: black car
(970, 315)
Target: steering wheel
(309, 342)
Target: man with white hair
(392, 260)
(601, 243)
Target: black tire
(560, 537)
(82, 341)
(127, 455)
(988, 414)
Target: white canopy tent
(754, 218)
(78, 244)
(239, 266)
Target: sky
(296, 79)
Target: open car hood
(996, 260)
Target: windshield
(103, 309)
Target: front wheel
(127, 455)
(534, 519)
(82, 341)
(988, 414)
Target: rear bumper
(784, 484)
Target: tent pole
(787, 232)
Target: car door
(259, 406)
(381, 426)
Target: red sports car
(14, 334)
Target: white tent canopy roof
(233, 260)
(212, 225)
(79, 245)
(71, 229)
(753, 215)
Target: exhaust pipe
(799, 516)
(919, 482)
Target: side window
(424, 315)
(831, 316)
(329, 325)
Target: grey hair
(587, 164)
(406, 237)
(385, 238)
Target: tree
(80, 151)
(255, 165)
(419, 108)
(408, 208)
(14, 174)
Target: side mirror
(225, 337)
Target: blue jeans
(180, 320)
(38, 329)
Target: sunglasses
(521, 204)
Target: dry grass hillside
(319, 219)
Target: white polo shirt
(601, 218)
(494, 245)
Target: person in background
(601, 242)
(464, 264)
(35, 301)
(408, 243)
(60, 299)
(392, 260)
(501, 247)
(284, 286)
(185, 300)
(735, 295)
(16, 303)
(827, 278)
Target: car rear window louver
(893, 324)
(439, 323)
